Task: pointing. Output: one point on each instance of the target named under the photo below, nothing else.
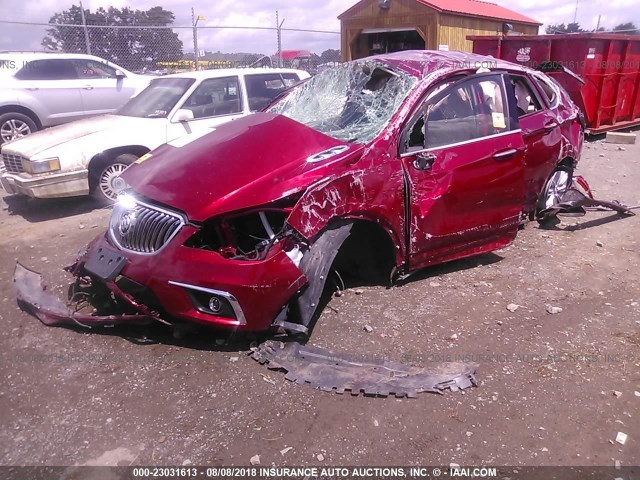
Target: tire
(104, 173)
(15, 125)
(555, 186)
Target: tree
(133, 48)
(572, 27)
(628, 27)
(330, 55)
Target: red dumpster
(609, 64)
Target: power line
(42, 24)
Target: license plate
(105, 263)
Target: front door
(463, 157)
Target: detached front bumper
(176, 285)
(34, 298)
(69, 184)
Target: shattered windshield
(350, 102)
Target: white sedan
(87, 156)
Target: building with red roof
(379, 26)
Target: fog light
(215, 305)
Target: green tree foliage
(628, 27)
(330, 55)
(572, 27)
(132, 48)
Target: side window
(47, 69)
(474, 109)
(526, 100)
(93, 69)
(213, 97)
(263, 88)
(290, 79)
(549, 90)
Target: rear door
(541, 132)
(463, 157)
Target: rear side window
(48, 69)
(526, 100)
(93, 69)
(550, 90)
(290, 79)
(263, 88)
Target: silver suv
(39, 90)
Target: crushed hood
(247, 162)
(62, 134)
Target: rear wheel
(105, 184)
(558, 183)
(15, 125)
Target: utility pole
(86, 30)
(278, 29)
(598, 24)
(194, 22)
(575, 13)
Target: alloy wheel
(13, 129)
(556, 187)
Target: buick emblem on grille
(127, 221)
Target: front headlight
(41, 166)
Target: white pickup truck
(87, 156)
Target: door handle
(88, 87)
(424, 161)
(550, 126)
(505, 154)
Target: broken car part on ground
(330, 372)
(380, 166)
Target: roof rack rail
(29, 51)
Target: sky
(304, 14)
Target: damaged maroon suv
(389, 163)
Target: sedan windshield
(351, 102)
(158, 99)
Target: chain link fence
(172, 49)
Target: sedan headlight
(41, 166)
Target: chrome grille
(143, 228)
(12, 163)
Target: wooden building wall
(401, 14)
(453, 30)
(435, 28)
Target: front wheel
(106, 188)
(14, 125)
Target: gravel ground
(555, 389)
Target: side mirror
(120, 74)
(183, 115)
(424, 161)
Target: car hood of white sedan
(103, 125)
